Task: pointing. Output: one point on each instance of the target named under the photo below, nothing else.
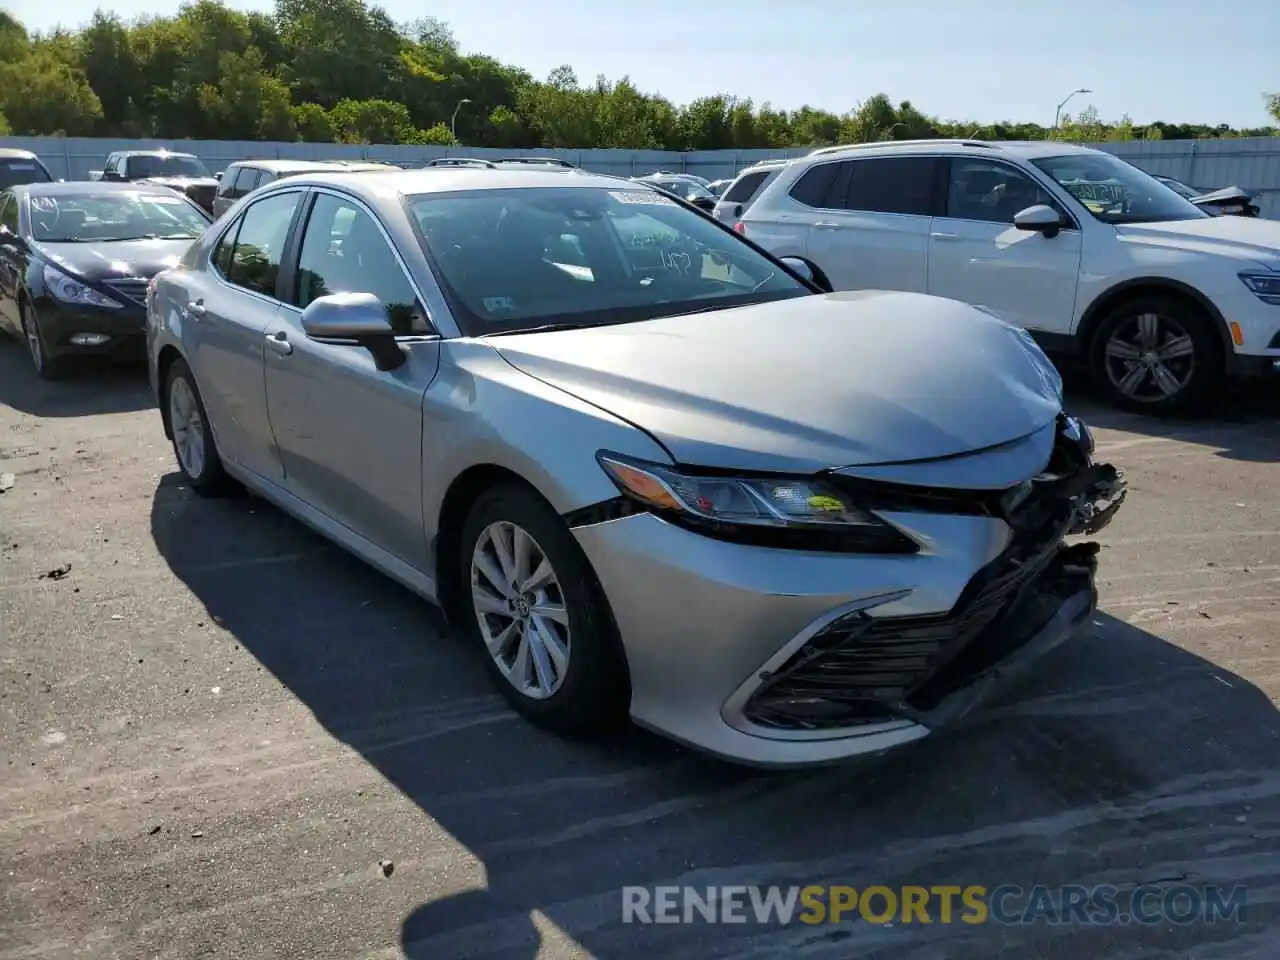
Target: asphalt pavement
(221, 737)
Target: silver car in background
(648, 469)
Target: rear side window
(891, 185)
(249, 253)
(246, 180)
(816, 187)
(227, 185)
(745, 187)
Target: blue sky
(985, 60)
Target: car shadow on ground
(1123, 759)
(1242, 420)
(94, 385)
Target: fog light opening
(89, 339)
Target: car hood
(1243, 238)
(843, 379)
(118, 259)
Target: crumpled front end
(865, 669)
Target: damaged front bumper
(862, 671)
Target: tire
(1124, 348)
(47, 367)
(590, 695)
(201, 465)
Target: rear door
(976, 255)
(230, 306)
(226, 195)
(870, 221)
(10, 262)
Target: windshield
(106, 217)
(1117, 192)
(684, 189)
(165, 165)
(515, 259)
(15, 171)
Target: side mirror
(806, 270)
(704, 203)
(354, 316)
(1040, 218)
(218, 176)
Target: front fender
(482, 411)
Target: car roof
(285, 166)
(12, 153)
(408, 183)
(1028, 149)
(156, 153)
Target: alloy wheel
(521, 610)
(1150, 358)
(188, 427)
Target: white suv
(745, 187)
(1092, 256)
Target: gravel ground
(217, 730)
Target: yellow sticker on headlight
(825, 504)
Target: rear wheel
(1157, 355)
(534, 605)
(193, 443)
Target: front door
(13, 262)
(226, 318)
(977, 256)
(350, 435)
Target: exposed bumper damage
(863, 670)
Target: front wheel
(540, 614)
(1156, 355)
(48, 367)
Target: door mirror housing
(806, 270)
(1040, 218)
(358, 317)
(218, 176)
(704, 203)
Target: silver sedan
(649, 470)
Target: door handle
(279, 342)
(826, 225)
(196, 307)
(945, 236)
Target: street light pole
(1057, 114)
(453, 121)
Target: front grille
(863, 669)
(132, 290)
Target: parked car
(505, 163)
(1227, 201)
(183, 172)
(679, 175)
(75, 261)
(745, 188)
(1095, 258)
(644, 467)
(21, 166)
(718, 187)
(244, 176)
(686, 188)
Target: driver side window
(992, 192)
(9, 212)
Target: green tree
(369, 121)
(1273, 106)
(312, 123)
(40, 95)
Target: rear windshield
(15, 170)
(746, 186)
(165, 165)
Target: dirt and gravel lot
(216, 730)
